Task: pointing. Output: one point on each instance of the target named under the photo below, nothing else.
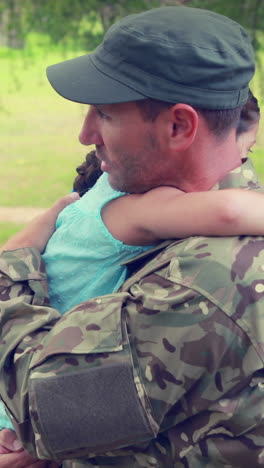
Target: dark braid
(88, 173)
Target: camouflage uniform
(166, 373)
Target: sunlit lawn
(39, 144)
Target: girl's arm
(166, 212)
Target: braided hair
(88, 173)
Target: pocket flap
(91, 327)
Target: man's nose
(89, 134)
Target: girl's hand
(9, 442)
(24, 460)
(12, 454)
(39, 230)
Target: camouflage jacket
(166, 373)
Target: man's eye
(101, 114)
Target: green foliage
(39, 144)
(249, 13)
(85, 21)
(258, 158)
(80, 21)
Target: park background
(39, 147)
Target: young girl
(248, 125)
(104, 227)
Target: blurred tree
(249, 13)
(85, 21)
(11, 24)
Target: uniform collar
(243, 176)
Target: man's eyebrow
(100, 106)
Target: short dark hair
(151, 108)
(219, 121)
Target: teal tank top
(82, 257)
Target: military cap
(173, 54)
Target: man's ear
(183, 125)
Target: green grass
(39, 144)
(258, 158)
(7, 230)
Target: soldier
(168, 372)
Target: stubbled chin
(114, 184)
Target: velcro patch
(98, 410)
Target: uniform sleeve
(157, 358)
(203, 371)
(69, 383)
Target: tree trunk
(11, 26)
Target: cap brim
(79, 80)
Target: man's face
(127, 145)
